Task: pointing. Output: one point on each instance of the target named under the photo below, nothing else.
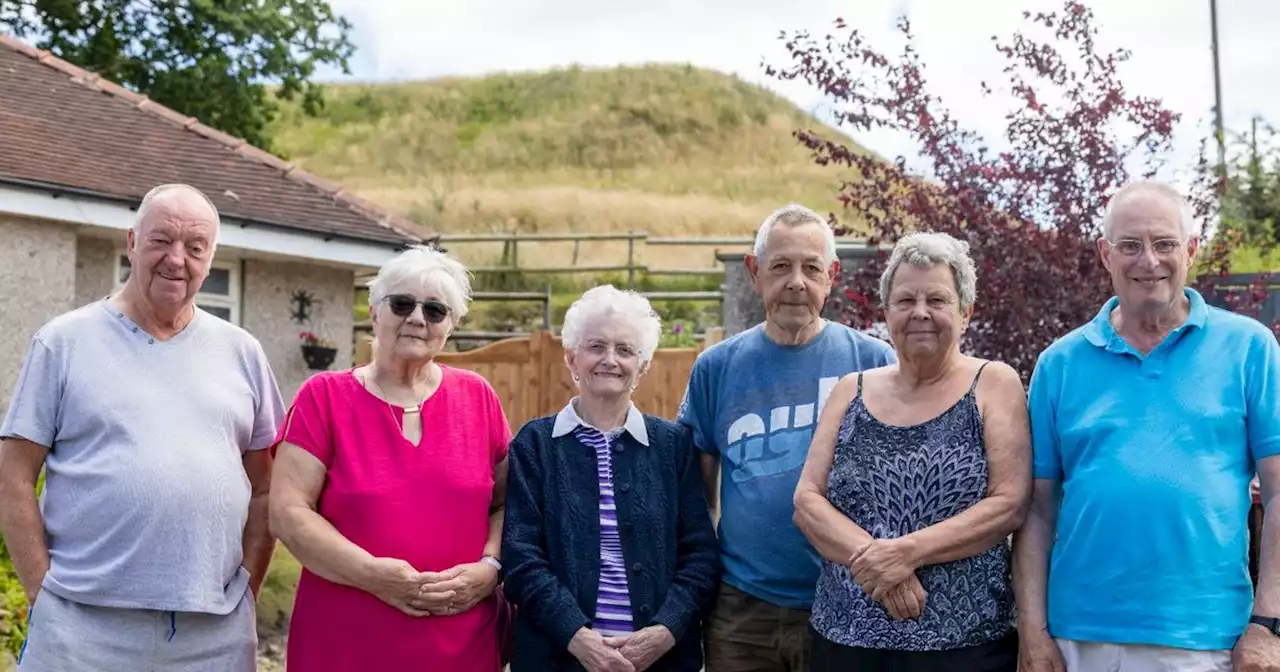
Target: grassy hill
(666, 149)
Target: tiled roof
(63, 126)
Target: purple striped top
(613, 606)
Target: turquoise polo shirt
(1155, 454)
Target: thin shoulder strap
(976, 376)
(859, 394)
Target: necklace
(382, 394)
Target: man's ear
(753, 267)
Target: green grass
(275, 602)
(668, 149)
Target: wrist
(581, 640)
(365, 574)
(1030, 626)
(912, 553)
(493, 569)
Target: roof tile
(61, 125)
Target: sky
(400, 40)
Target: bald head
(175, 202)
(1149, 195)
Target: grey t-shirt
(146, 496)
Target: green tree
(1251, 202)
(210, 59)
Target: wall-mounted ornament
(302, 301)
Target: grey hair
(1185, 213)
(144, 208)
(425, 265)
(795, 215)
(925, 250)
(605, 302)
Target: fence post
(712, 336)
(364, 349)
(543, 354)
(631, 260)
(546, 310)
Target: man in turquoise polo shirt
(1148, 424)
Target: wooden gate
(531, 379)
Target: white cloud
(416, 39)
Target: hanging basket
(318, 358)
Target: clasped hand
(629, 653)
(418, 594)
(885, 572)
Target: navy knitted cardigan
(551, 541)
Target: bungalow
(77, 153)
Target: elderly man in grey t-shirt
(150, 417)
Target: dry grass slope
(668, 149)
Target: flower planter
(318, 358)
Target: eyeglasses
(1132, 248)
(601, 348)
(402, 305)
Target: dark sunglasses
(403, 304)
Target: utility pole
(1217, 91)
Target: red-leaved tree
(1030, 213)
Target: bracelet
(493, 562)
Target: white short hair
(430, 267)
(607, 302)
(152, 196)
(795, 215)
(1185, 213)
(926, 250)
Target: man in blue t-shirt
(753, 402)
(1147, 426)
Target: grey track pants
(65, 636)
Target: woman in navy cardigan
(608, 545)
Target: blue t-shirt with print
(1155, 453)
(755, 404)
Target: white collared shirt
(568, 420)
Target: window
(219, 295)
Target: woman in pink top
(389, 487)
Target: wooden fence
(531, 379)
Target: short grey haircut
(926, 250)
(144, 208)
(1185, 213)
(608, 302)
(430, 267)
(795, 215)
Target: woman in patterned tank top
(917, 475)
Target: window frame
(230, 300)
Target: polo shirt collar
(568, 420)
(1100, 332)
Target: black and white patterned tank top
(892, 481)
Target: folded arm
(1007, 435)
(296, 484)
